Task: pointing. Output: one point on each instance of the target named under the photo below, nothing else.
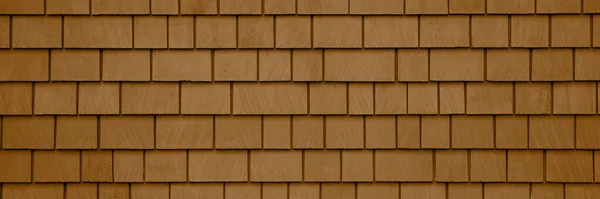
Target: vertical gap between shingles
(420, 131)
(120, 98)
(575, 132)
(470, 32)
(308, 98)
(325, 131)
(485, 68)
(573, 64)
(1, 133)
(194, 27)
(214, 127)
(292, 132)
(77, 99)
(54, 131)
(450, 131)
(180, 88)
(530, 64)
(312, 23)
(396, 65)
(154, 130)
(364, 131)
(549, 31)
(262, 132)
(62, 32)
(80, 166)
(494, 130)
(231, 98)
(237, 32)
(544, 169)
(514, 98)
(274, 32)
(469, 165)
(347, 98)
(49, 65)
(373, 102)
(303, 163)
(528, 123)
(33, 98)
(395, 131)
(11, 33)
(292, 65)
(32, 153)
(98, 128)
(143, 167)
(341, 165)
(113, 165)
(248, 154)
(133, 34)
(101, 54)
(362, 27)
(187, 166)
(212, 65)
(433, 168)
(168, 18)
(258, 64)
(151, 65)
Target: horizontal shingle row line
(257, 7)
(300, 132)
(301, 190)
(331, 65)
(285, 98)
(144, 32)
(299, 166)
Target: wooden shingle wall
(299, 99)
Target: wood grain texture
(357, 165)
(276, 166)
(390, 98)
(345, 132)
(75, 65)
(165, 166)
(451, 166)
(525, 166)
(404, 165)
(150, 32)
(386, 32)
(190, 132)
(274, 65)
(269, 98)
(488, 166)
(24, 65)
(15, 166)
(98, 32)
(180, 32)
(551, 132)
(126, 132)
(218, 166)
(56, 166)
(240, 132)
(337, 31)
(28, 132)
(184, 65)
(569, 166)
(37, 32)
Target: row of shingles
(298, 98)
(300, 132)
(332, 65)
(257, 7)
(23, 166)
(304, 190)
(297, 31)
